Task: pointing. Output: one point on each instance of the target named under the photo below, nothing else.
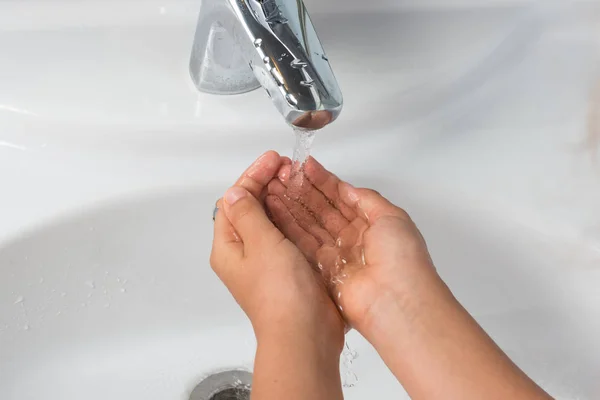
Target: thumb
(249, 219)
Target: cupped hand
(265, 272)
(368, 250)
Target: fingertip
(270, 160)
(260, 173)
(286, 160)
(284, 173)
(316, 171)
(349, 193)
(270, 154)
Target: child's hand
(266, 273)
(369, 250)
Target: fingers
(247, 216)
(302, 215)
(323, 209)
(328, 184)
(370, 204)
(305, 242)
(260, 173)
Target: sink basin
(474, 119)
(119, 302)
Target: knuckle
(401, 213)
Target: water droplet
(349, 377)
(58, 313)
(90, 284)
(324, 57)
(298, 64)
(122, 290)
(258, 42)
(19, 299)
(266, 59)
(26, 327)
(366, 216)
(63, 294)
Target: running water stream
(302, 148)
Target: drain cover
(232, 394)
(227, 385)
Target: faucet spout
(240, 45)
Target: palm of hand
(333, 236)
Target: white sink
(110, 164)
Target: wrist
(399, 312)
(310, 342)
(322, 336)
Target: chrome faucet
(240, 45)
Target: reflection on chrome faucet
(240, 45)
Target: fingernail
(233, 194)
(282, 175)
(257, 164)
(351, 192)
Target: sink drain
(227, 385)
